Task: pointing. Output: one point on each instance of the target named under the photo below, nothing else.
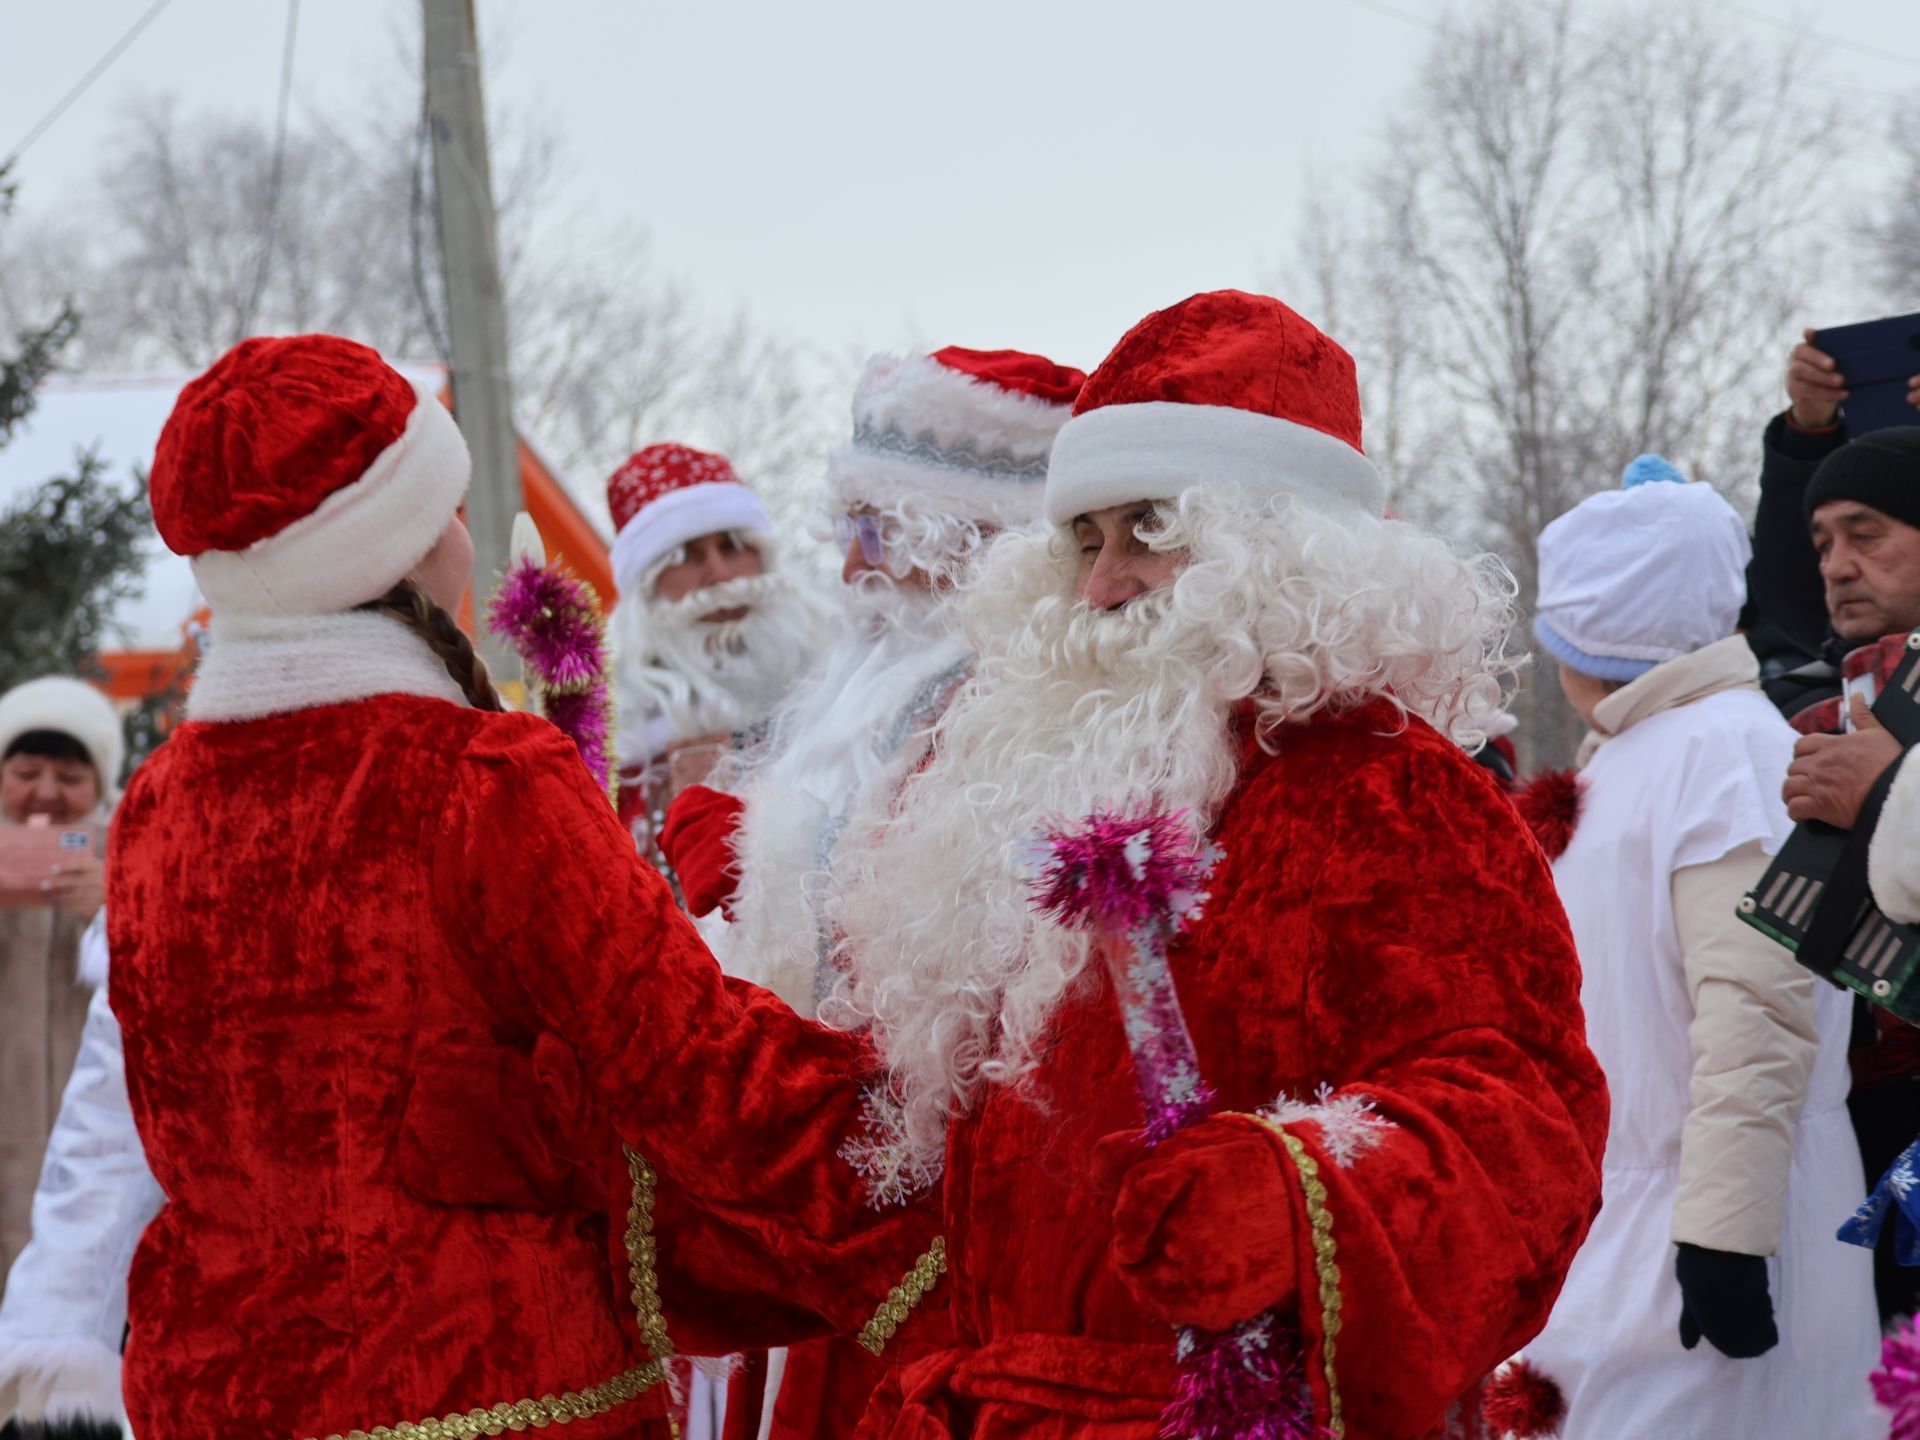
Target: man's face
(65, 791)
(1116, 564)
(706, 561)
(1871, 565)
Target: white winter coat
(1728, 1070)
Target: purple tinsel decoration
(554, 623)
(1120, 872)
(1248, 1383)
(1140, 876)
(1896, 1384)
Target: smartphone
(31, 853)
(1878, 358)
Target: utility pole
(476, 304)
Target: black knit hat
(1881, 469)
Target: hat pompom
(1650, 469)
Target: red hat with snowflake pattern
(666, 495)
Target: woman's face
(447, 569)
(65, 791)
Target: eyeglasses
(865, 528)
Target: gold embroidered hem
(1326, 1262)
(642, 1253)
(911, 1290)
(562, 1409)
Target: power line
(1821, 36)
(274, 184)
(1381, 9)
(86, 81)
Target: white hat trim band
(1118, 454)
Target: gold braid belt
(571, 1405)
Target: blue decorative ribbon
(1899, 1193)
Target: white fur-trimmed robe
(856, 732)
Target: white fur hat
(967, 431)
(70, 707)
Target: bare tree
(1585, 237)
(1892, 234)
(175, 258)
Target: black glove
(1724, 1298)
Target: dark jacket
(1786, 615)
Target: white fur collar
(254, 668)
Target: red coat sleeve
(736, 1101)
(1442, 1185)
(698, 842)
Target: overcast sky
(868, 173)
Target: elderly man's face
(1871, 565)
(1116, 564)
(704, 561)
(65, 791)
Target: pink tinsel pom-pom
(1118, 871)
(553, 620)
(1896, 1384)
(1523, 1402)
(1248, 1383)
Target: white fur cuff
(1893, 855)
(58, 1378)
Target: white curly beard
(678, 676)
(1088, 709)
(940, 952)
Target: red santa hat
(1224, 388)
(666, 495)
(968, 431)
(303, 475)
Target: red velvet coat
(1382, 924)
(362, 954)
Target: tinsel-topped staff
(1136, 882)
(553, 620)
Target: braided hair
(414, 608)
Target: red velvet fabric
(383, 970)
(1381, 923)
(1173, 1208)
(1017, 371)
(698, 843)
(271, 430)
(1227, 347)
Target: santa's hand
(1203, 1229)
(698, 842)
